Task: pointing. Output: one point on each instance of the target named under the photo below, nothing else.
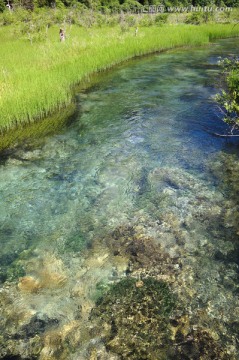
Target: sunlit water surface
(140, 154)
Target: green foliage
(34, 30)
(131, 6)
(195, 18)
(146, 20)
(130, 20)
(2, 6)
(116, 5)
(126, 22)
(229, 96)
(124, 26)
(161, 19)
(208, 16)
(8, 18)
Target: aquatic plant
(228, 99)
(15, 271)
(138, 320)
(145, 255)
(227, 172)
(30, 132)
(11, 267)
(75, 243)
(198, 344)
(141, 310)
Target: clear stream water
(140, 153)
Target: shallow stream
(137, 187)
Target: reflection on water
(127, 211)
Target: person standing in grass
(9, 6)
(62, 35)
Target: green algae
(138, 321)
(141, 310)
(196, 345)
(140, 317)
(226, 170)
(10, 269)
(75, 244)
(34, 131)
(15, 271)
(12, 264)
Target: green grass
(37, 79)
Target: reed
(38, 78)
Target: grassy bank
(38, 78)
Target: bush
(199, 18)
(21, 14)
(229, 96)
(146, 20)
(8, 18)
(2, 6)
(131, 6)
(194, 18)
(161, 19)
(130, 20)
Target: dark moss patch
(198, 345)
(37, 325)
(135, 316)
(141, 250)
(145, 255)
(11, 269)
(20, 349)
(11, 264)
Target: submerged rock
(198, 344)
(29, 284)
(129, 278)
(135, 319)
(37, 325)
(174, 178)
(144, 254)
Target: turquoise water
(139, 155)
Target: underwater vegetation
(140, 317)
(153, 287)
(135, 318)
(142, 251)
(142, 307)
(229, 183)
